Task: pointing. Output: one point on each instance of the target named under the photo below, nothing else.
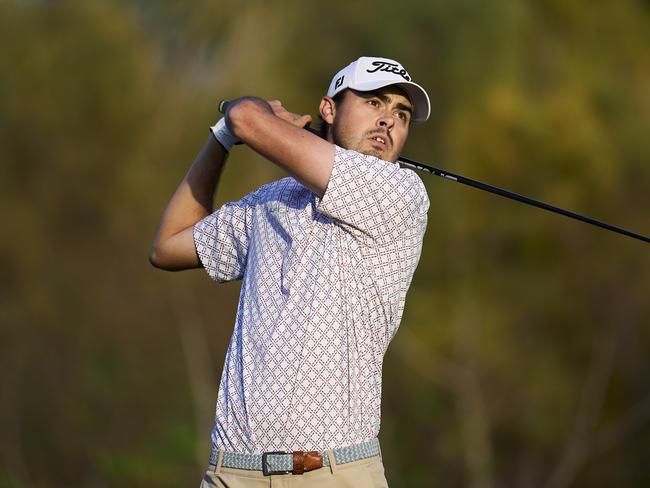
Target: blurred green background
(523, 356)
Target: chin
(375, 153)
(384, 156)
(378, 154)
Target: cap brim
(417, 95)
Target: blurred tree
(523, 350)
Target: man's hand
(301, 121)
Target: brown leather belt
(302, 461)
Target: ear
(327, 109)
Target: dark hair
(324, 127)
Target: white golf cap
(369, 73)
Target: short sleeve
(221, 239)
(375, 197)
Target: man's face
(374, 123)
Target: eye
(402, 116)
(374, 102)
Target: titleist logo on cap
(389, 68)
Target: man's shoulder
(282, 190)
(414, 179)
(390, 173)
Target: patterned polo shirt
(323, 289)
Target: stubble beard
(342, 139)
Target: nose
(386, 121)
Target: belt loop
(217, 468)
(330, 456)
(381, 457)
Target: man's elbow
(172, 259)
(155, 258)
(158, 259)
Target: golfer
(326, 256)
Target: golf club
(410, 163)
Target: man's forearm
(192, 201)
(272, 131)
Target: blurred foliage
(523, 352)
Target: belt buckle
(265, 469)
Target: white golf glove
(223, 135)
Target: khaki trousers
(365, 473)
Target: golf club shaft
(519, 198)
(410, 163)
